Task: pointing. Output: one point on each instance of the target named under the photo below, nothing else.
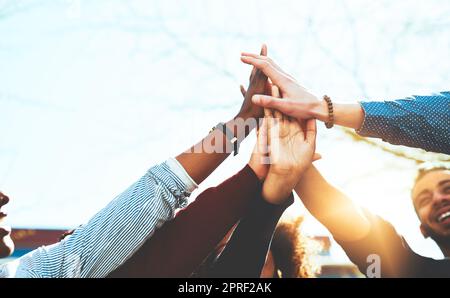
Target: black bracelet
(330, 122)
(229, 135)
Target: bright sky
(95, 92)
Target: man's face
(6, 244)
(431, 198)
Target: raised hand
(297, 101)
(291, 151)
(258, 84)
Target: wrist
(277, 188)
(242, 125)
(258, 169)
(349, 115)
(275, 195)
(319, 110)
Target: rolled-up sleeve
(117, 231)
(417, 121)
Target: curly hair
(293, 252)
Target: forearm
(347, 115)
(331, 207)
(203, 158)
(179, 247)
(245, 253)
(115, 232)
(417, 121)
(276, 188)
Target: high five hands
(297, 102)
(284, 150)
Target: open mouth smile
(443, 217)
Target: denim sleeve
(417, 121)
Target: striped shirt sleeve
(114, 233)
(417, 121)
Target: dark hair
(292, 251)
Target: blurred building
(26, 240)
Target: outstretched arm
(245, 252)
(417, 121)
(366, 238)
(180, 246)
(331, 207)
(114, 233)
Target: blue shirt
(114, 233)
(417, 121)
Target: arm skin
(213, 213)
(297, 101)
(420, 121)
(347, 115)
(362, 234)
(291, 152)
(181, 245)
(331, 207)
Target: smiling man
(372, 243)
(431, 199)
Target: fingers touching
(277, 76)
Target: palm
(289, 151)
(291, 147)
(289, 87)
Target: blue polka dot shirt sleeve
(416, 121)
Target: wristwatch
(229, 134)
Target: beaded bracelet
(330, 122)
